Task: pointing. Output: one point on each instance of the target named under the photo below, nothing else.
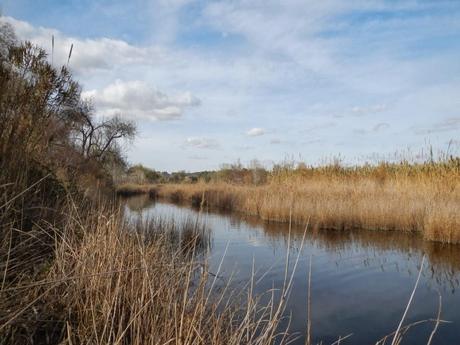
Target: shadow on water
(361, 280)
(138, 203)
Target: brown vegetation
(115, 284)
(130, 189)
(71, 270)
(419, 198)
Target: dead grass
(131, 189)
(72, 271)
(425, 202)
(114, 282)
(120, 283)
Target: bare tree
(95, 140)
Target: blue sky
(210, 82)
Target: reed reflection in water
(361, 280)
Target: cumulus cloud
(255, 132)
(93, 58)
(136, 99)
(201, 143)
(88, 55)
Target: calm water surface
(361, 280)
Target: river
(360, 280)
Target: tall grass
(112, 282)
(423, 198)
(72, 271)
(131, 189)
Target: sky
(212, 82)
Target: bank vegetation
(423, 197)
(72, 269)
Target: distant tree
(259, 173)
(150, 175)
(178, 176)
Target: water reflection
(361, 279)
(138, 203)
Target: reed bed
(108, 280)
(130, 189)
(420, 200)
(114, 282)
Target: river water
(361, 280)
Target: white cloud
(136, 99)
(446, 125)
(270, 61)
(202, 143)
(88, 55)
(165, 18)
(379, 127)
(255, 132)
(100, 59)
(96, 58)
(368, 110)
(286, 27)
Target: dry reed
(112, 282)
(424, 201)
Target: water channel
(361, 280)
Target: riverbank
(73, 270)
(124, 283)
(427, 204)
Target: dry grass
(131, 189)
(416, 200)
(73, 271)
(119, 283)
(113, 282)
